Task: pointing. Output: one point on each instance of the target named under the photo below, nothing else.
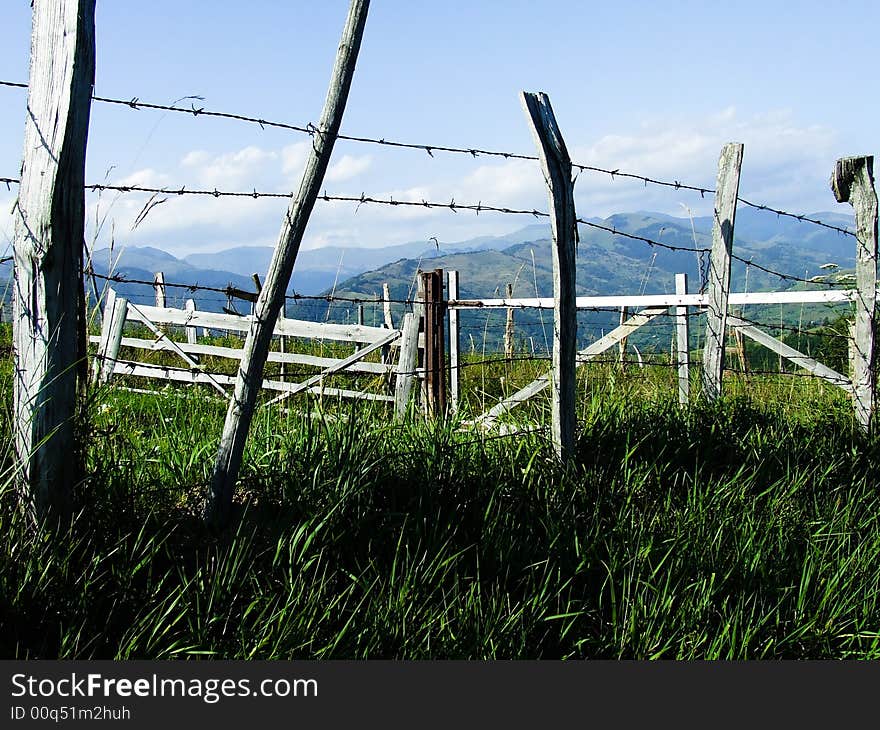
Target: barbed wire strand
(310, 129)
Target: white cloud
(786, 164)
(348, 167)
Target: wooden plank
(853, 182)
(435, 360)
(49, 326)
(242, 323)
(798, 358)
(337, 367)
(193, 377)
(232, 353)
(454, 344)
(406, 364)
(487, 420)
(682, 342)
(718, 285)
(556, 166)
(640, 301)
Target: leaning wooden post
(718, 286)
(454, 344)
(268, 304)
(49, 330)
(853, 183)
(682, 336)
(621, 346)
(556, 165)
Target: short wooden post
(853, 183)
(682, 337)
(282, 341)
(435, 368)
(191, 334)
(621, 346)
(419, 312)
(508, 327)
(386, 306)
(556, 166)
(159, 286)
(116, 318)
(49, 327)
(262, 327)
(406, 365)
(718, 291)
(454, 344)
(106, 318)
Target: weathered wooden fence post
(435, 360)
(853, 183)
(621, 346)
(409, 355)
(115, 315)
(718, 285)
(508, 327)
(454, 344)
(191, 335)
(556, 166)
(682, 336)
(49, 330)
(159, 286)
(268, 304)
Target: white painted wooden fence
(365, 339)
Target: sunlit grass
(747, 529)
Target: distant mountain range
(607, 263)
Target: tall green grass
(748, 529)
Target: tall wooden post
(454, 344)
(853, 183)
(718, 286)
(682, 338)
(268, 304)
(556, 166)
(49, 330)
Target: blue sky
(649, 87)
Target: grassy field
(748, 529)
